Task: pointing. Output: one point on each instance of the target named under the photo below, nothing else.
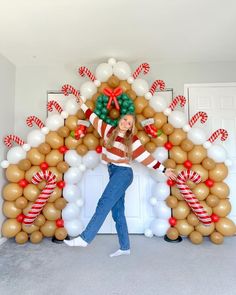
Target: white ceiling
(65, 32)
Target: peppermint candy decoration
(9, 138)
(157, 84)
(203, 118)
(33, 119)
(67, 89)
(55, 104)
(84, 71)
(222, 133)
(178, 99)
(144, 67)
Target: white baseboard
(2, 240)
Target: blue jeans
(113, 198)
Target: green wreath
(126, 107)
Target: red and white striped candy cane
(42, 199)
(181, 99)
(9, 138)
(158, 83)
(85, 71)
(67, 89)
(143, 67)
(198, 115)
(54, 103)
(36, 120)
(189, 197)
(220, 132)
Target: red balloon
(188, 164)
(63, 149)
(23, 183)
(43, 166)
(214, 217)
(60, 222)
(99, 149)
(20, 218)
(209, 182)
(172, 221)
(61, 184)
(168, 145)
(170, 182)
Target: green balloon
(124, 111)
(97, 112)
(120, 101)
(104, 111)
(125, 96)
(131, 109)
(103, 116)
(99, 105)
(125, 104)
(105, 99)
(100, 98)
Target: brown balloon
(10, 210)
(206, 207)
(201, 191)
(186, 145)
(179, 168)
(41, 185)
(48, 229)
(177, 136)
(172, 233)
(30, 228)
(61, 233)
(219, 173)
(102, 87)
(226, 227)
(35, 157)
(27, 208)
(72, 143)
(12, 191)
(160, 140)
(80, 114)
(95, 96)
(125, 86)
(143, 137)
(197, 154)
(96, 134)
(192, 219)
(220, 189)
(150, 147)
(50, 212)
(217, 238)
(196, 238)
(113, 81)
(56, 172)
(178, 155)
(82, 149)
(62, 167)
(140, 103)
(90, 141)
(131, 94)
(159, 120)
(181, 211)
(208, 164)
(36, 237)
(175, 192)
(60, 203)
(44, 148)
(14, 174)
(170, 163)
(31, 192)
(167, 128)
(24, 164)
(54, 157)
(63, 131)
(40, 220)
(183, 227)
(71, 122)
(21, 237)
(90, 104)
(148, 112)
(56, 194)
(10, 228)
(205, 230)
(29, 174)
(223, 208)
(21, 202)
(172, 201)
(54, 140)
(201, 171)
(212, 201)
(139, 119)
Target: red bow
(113, 96)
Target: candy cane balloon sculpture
(83, 71)
(156, 84)
(144, 67)
(196, 135)
(176, 118)
(55, 121)
(67, 89)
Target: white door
(219, 102)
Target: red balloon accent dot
(20, 218)
(61, 184)
(188, 164)
(168, 145)
(172, 221)
(43, 166)
(63, 149)
(209, 182)
(215, 217)
(99, 149)
(23, 183)
(60, 222)
(170, 182)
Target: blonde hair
(128, 138)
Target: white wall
(7, 120)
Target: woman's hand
(169, 173)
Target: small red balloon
(60, 223)
(172, 221)
(170, 182)
(43, 166)
(168, 145)
(20, 218)
(99, 149)
(23, 183)
(63, 149)
(61, 184)
(214, 217)
(209, 182)
(188, 164)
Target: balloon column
(66, 145)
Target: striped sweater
(116, 153)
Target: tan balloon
(205, 230)
(177, 136)
(183, 227)
(50, 212)
(201, 171)
(217, 238)
(31, 192)
(40, 220)
(208, 164)
(197, 154)
(139, 119)
(212, 200)
(56, 172)
(35, 157)
(21, 202)
(10, 228)
(90, 141)
(160, 140)
(21, 237)
(62, 167)
(90, 129)
(179, 168)
(10, 210)
(82, 149)
(172, 201)
(220, 189)
(150, 147)
(96, 134)
(191, 184)
(54, 157)
(14, 174)
(54, 140)
(140, 104)
(71, 122)
(143, 137)
(178, 155)
(192, 219)
(61, 233)
(186, 145)
(172, 233)
(30, 228)
(80, 114)
(44, 148)
(131, 94)
(148, 112)
(167, 128)
(60, 203)
(201, 191)
(196, 238)
(114, 114)
(27, 208)
(175, 192)
(36, 237)
(95, 96)
(159, 120)
(113, 81)
(170, 163)
(41, 185)
(24, 164)
(125, 86)
(29, 174)
(206, 207)
(223, 208)
(71, 143)
(226, 227)
(181, 211)
(219, 173)
(63, 131)
(48, 229)
(12, 191)
(102, 86)
(56, 194)
(90, 104)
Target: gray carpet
(154, 267)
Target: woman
(120, 147)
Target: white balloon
(73, 227)
(153, 201)
(158, 103)
(103, 72)
(159, 227)
(161, 210)
(157, 175)
(88, 89)
(73, 158)
(161, 191)
(5, 164)
(122, 70)
(91, 159)
(217, 153)
(177, 119)
(16, 154)
(54, 122)
(70, 212)
(197, 135)
(161, 154)
(71, 106)
(148, 233)
(140, 86)
(35, 138)
(71, 192)
(80, 202)
(73, 175)
(111, 61)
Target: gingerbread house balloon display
(42, 197)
